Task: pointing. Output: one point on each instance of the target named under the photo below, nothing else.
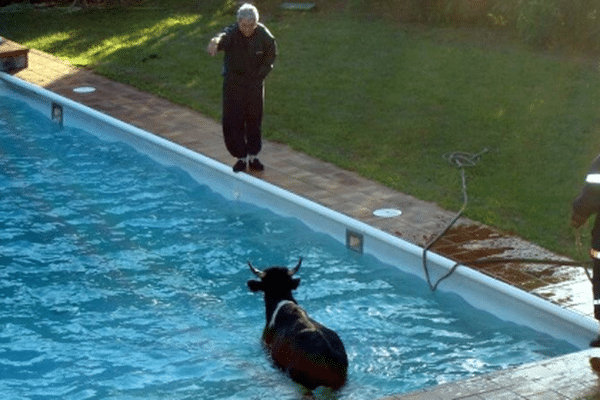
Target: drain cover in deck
(387, 213)
(84, 89)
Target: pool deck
(568, 377)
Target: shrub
(580, 23)
(543, 23)
(548, 23)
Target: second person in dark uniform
(585, 205)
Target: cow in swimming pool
(310, 353)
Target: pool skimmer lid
(387, 213)
(84, 89)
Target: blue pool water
(121, 278)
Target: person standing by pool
(584, 206)
(250, 51)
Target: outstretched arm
(585, 205)
(213, 45)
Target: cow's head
(274, 280)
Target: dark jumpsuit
(586, 204)
(247, 62)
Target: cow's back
(312, 354)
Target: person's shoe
(239, 166)
(595, 342)
(256, 165)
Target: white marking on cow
(279, 305)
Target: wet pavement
(568, 377)
(564, 378)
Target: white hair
(247, 11)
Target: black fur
(312, 354)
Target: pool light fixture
(57, 114)
(354, 241)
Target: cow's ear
(255, 286)
(295, 283)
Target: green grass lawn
(372, 96)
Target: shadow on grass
(139, 46)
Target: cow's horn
(296, 268)
(256, 272)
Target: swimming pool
(126, 293)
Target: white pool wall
(482, 292)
